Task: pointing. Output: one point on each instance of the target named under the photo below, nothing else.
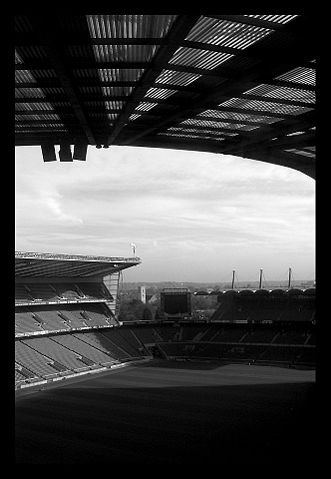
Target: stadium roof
(31, 265)
(234, 84)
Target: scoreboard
(176, 302)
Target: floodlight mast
(289, 278)
(232, 284)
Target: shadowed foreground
(156, 415)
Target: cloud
(172, 204)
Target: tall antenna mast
(232, 284)
(260, 285)
(289, 278)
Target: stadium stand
(80, 333)
(76, 345)
(33, 360)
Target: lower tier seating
(49, 355)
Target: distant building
(142, 294)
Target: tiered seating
(307, 356)
(24, 321)
(51, 319)
(54, 350)
(209, 333)
(146, 334)
(119, 352)
(312, 339)
(99, 341)
(291, 337)
(127, 334)
(73, 316)
(33, 360)
(229, 335)
(189, 332)
(21, 294)
(281, 354)
(75, 344)
(167, 333)
(260, 336)
(67, 291)
(43, 291)
(94, 315)
(116, 337)
(94, 290)
(19, 376)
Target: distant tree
(147, 314)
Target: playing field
(171, 413)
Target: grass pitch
(169, 412)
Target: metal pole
(289, 278)
(260, 285)
(233, 272)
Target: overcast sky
(193, 216)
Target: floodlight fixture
(80, 151)
(65, 151)
(48, 152)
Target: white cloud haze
(193, 216)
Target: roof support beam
(298, 123)
(249, 21)
(92, 82)
(47, 31)
(177, 33)
(238, 84)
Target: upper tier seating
(24, 321)
(55, 318)
(34, 292)
(42, 291)
(21, 294)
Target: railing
(38, 302)
(74, 257)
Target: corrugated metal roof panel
(265, 106)
(22, 24)
(42, 116)
(300, 75)
(35, 51)
(223, 115)
(24, 76)
(160, 93)
(226, 33)
(29, 93)
(274, 18)
(199, 58)
(217, 124)
(190, 135)
(124, 53)
(34, 106)
(284, 93)
(129, 26)
(145, 106)
(176, 78)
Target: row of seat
(53, 318)
(46, 356)
(57, 291)
(281, 354)
(230, 333)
